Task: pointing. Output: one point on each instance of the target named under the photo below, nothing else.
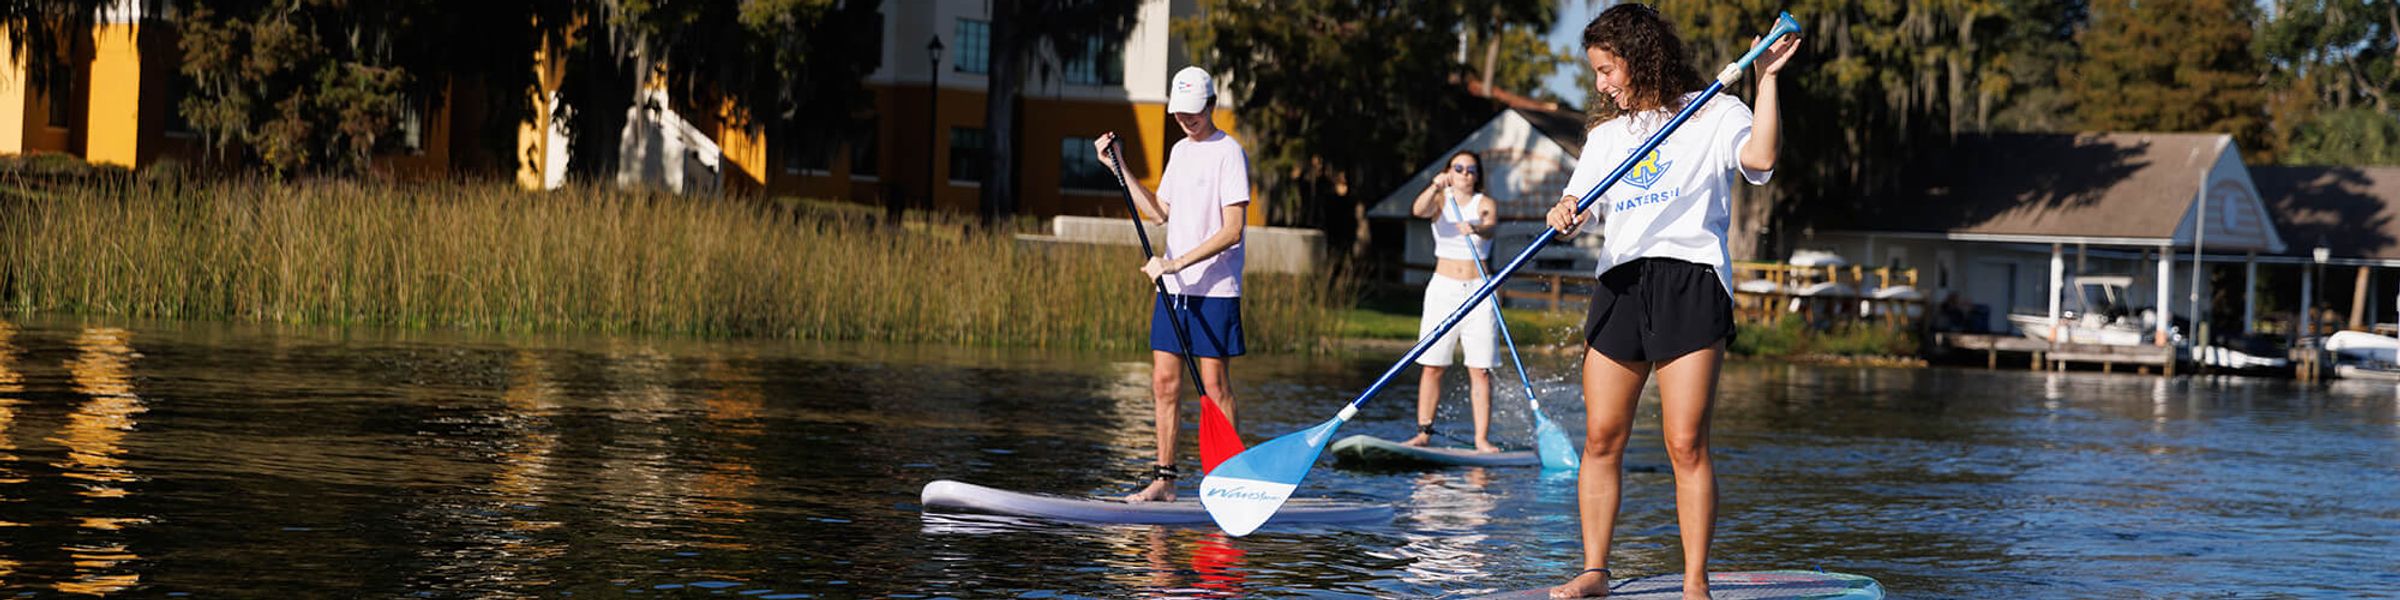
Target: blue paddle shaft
(1784, 24)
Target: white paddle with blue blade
(1247, 489)
(1549, 442)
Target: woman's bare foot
(1695, 592)
(1486, 447)
(1159, 490)
(1591, 583)
(1420, 441)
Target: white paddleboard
(1374, 451)
(959, 496)
(1748, 585)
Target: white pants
(1476, 329)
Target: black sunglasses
(1470, 169)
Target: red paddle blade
(1217, 438)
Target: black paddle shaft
(1181, 337)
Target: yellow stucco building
(118, 105)
(112, 105)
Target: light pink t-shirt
(1202, 178)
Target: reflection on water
(11, 385)
(159, 459)
(94, 437)
(1446, 542)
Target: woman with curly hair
(1664, 303)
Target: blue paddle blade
(1244, 491)
(1557, 452)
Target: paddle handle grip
(1784, 25)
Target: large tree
(2172, 66)
(321, 85)
(788, 67)
(1023, 32)
(1343, 99)
(1876, 82)
(2334, 81)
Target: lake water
(161, 459)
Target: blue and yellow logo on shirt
(1648, 171)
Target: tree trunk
(999, 196)
(1752, 206)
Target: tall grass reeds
(488, 256)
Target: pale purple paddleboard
(957, 496)
(1375, 451)
(1749, 585)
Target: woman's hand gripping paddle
(1551, 443)
(1244, 491)
(1218, 441)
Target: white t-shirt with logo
(1202, 178)
(1677, 202)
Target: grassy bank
(1532, 328)
(1545, 329)
(490, 257)
(1795, 338)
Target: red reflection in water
(1219, 563)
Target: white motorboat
(2362, 355)
(2095, 314)
(2228, 358)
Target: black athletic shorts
(1656, 309)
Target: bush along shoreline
(488, 256)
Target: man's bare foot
(1159, 490)
(1591, 583)
(1486, 447)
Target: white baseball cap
(1191, 91)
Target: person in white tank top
(1463, 219)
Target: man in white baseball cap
(1203, 199)
(1191, 91)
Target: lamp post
(933, 103)
(2320, 253)
(2308, 308)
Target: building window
(177, 124)
(412, 128)
(865, 153)
(966, 154)
(1079, 166)
(811, 155)
(974, 46)
(1099, 64)
(62, 101)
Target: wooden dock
(2049, 356)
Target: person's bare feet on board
(1591, 583)
(1161, 488)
